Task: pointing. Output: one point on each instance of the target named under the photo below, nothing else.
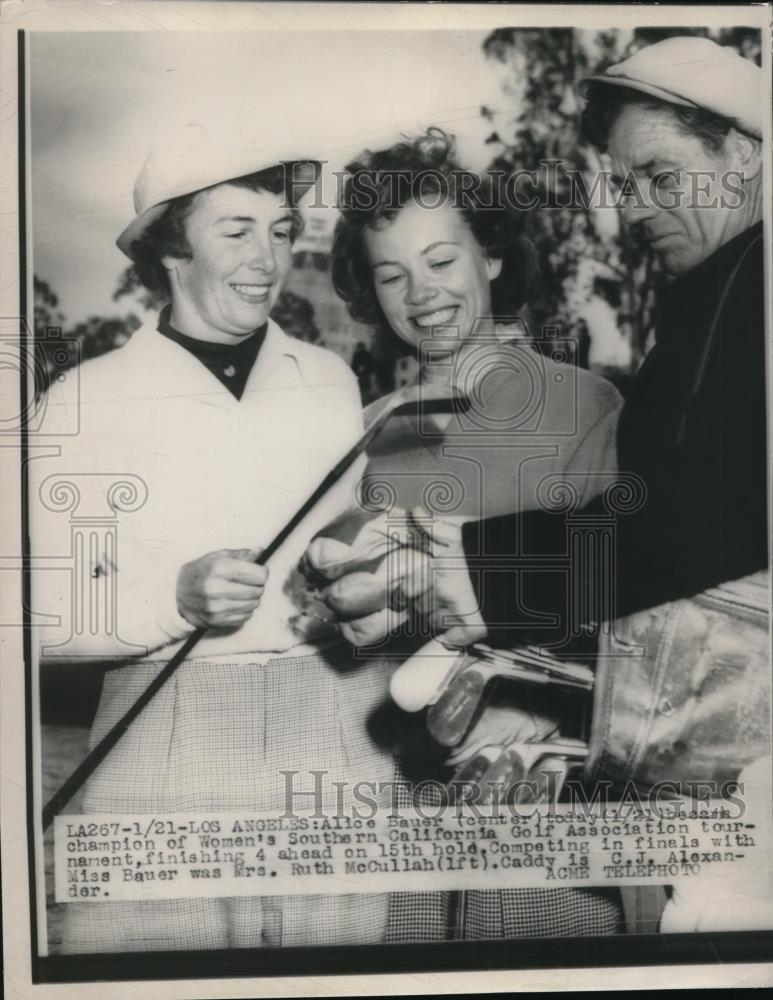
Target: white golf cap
(697, 73)
(196, 157)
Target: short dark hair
(606, 102)
(165, 236)
(380, 184)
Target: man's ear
(747, 152)
(493, 268)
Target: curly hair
(605, 104)
(425, 171)
(166, 237)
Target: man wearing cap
(682, 122)
(208, 429)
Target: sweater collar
(231, 364)
(209, 352)
(164, 362)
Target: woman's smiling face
(241, 253)
(431, 277)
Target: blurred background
(508, 96)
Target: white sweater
(217, 473)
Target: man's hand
(220, 589)
(423, 571)
(439, 588)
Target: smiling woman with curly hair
(425, 172)
(440, 260)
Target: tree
(46, 307)
(295, 314)
(58, 348)
(129, 284)
(99, 334)
(581, 256)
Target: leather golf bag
(682, 690)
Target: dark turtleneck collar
(691, 301)
(231, 364)
(723, 259)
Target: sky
(98, 100)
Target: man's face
(686, 200)
(241, 244)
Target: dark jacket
(692, 450)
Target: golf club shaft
(95, 757)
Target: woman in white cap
(229, 424)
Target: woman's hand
(221, 588)
(413, 562)
(360, 556)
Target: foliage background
(599, 286)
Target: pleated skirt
(232, 737)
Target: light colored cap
(697, 73)
(197, 157)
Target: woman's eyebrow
(235, 218)
(441, 243)
(250, 218)
(432, 246)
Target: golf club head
(426, 406)
(451, 716)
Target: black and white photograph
(386, 571)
